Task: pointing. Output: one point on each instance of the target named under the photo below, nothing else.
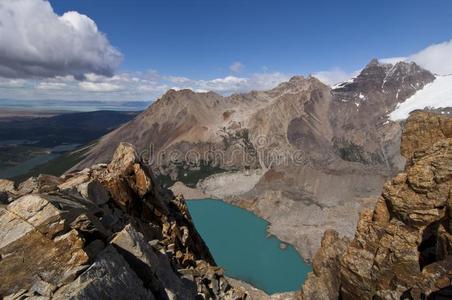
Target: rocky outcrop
(403, 247)
(323, 282)
(106, 232)
(422, 131)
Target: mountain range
(311, 159)
(305, 156)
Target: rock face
(422, 131)
(107, 232)
(403, 247)
(321, 151)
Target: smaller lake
(239, 243)
(27, 165)
(38, 160)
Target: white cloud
(99, 86)
(178, 79)
(265, 81)
(436, 58)
(236, 67)
(12, 83)
(36, 42)
(233, 84)
(130, 86)
(392, 60)
(51, 85)
(334, 76)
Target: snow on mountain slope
(437, 94)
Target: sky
(137, 49)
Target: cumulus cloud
(232, 84)
(99, 86)
(236, 67)
(50, 85)
(36, 42)
(334, 76)
(130, 86)
(436, 58)
(12, 83)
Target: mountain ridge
(325, 143)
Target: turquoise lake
(239, 242)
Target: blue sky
(200, 39)
(137, 49)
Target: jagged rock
(151, 266)
(323, 282)
(422, 131)
(105, 232)
(109, 277)
(94, 191)
(7, 189)
(403, 247)
(7, 186)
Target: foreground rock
(403, 247)
(107, 232)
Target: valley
(35, 141)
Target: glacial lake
(239, 243)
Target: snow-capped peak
(437, 94)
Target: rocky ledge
(402, 248)
(107, 232)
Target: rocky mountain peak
(373, 62)
(297, 79)
(298, 84)
(377, 77)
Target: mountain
(304, 156)
(402, 248)
(108, 232)
(111, 231)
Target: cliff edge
(402, 248)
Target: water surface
(27, 165)
(239, 242)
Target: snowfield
(437, 94)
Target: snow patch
(342, 84)
(437, 94)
